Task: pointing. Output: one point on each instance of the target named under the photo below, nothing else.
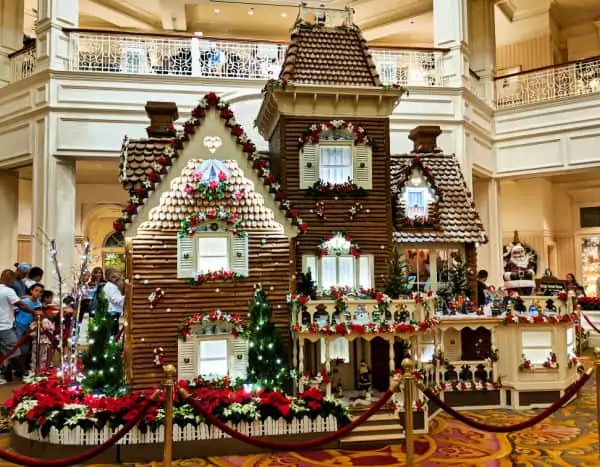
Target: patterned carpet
(569, 438)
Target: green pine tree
(102, 361)
(397, 279)
(266, 367)
(306, 285)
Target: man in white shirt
(115, 298)
(8, 301)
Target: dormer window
(416, 196)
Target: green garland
(200, 222)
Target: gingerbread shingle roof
(329, 56)
(458, 220)
(146, 162)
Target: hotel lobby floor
(568, 438)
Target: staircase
(382, 428)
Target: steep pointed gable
(146, 172)
(328, 55)
(457, 220)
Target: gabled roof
(328, 56)
(458, 220)
(145, 163)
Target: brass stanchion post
(580, 333)
(38, 338)
(169, 383)
(597, 370)
(408, 366)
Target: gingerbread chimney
(424, 139)
(162, 117)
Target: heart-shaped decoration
(212, 143)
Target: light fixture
(216, 11)
(284, 14)
(251, 11)
(198, 33)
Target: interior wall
(97, 206)
(529, 54)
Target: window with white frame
(339, 349)
(537, 346)
(339, 267)
(213, 357)
(336, 160)
(210, 252)
(335, 164)
(416, 202)
(134, 60)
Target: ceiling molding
(507, 8)
(371, 18)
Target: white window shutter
(363, 170)
(239, 255)
(239, 354)
(365, 271)
(186, 257)
(187, 358)
(309, 165)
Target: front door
(380, 364)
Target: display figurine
(364, 378)
(339, 390)
(518, 271)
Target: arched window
(115, 240)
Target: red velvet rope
(17, 346)
(569, 393)
(282, 445)
(84, 456)
(590, 322)
(53, 339)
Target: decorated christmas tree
(266, 368)
(102, 362)
(397, 279)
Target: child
(44, 352)
(23, 321)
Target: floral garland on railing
(213, 318)
(277, 84)
(347, 188)
(194, 222)
(551, 362)
(343, 329)
(323, 249)
(512, 318)
(465, 386)
(313, 133)
(163, 163)
(54, 402)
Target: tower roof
(326, 48)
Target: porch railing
(548, 84)
(201, 57)
(22, 63)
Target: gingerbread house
(206, 220)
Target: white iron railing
(22, 64)
(214, 58)
(569, 80)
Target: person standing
(20, 274)
(482, 277)
(115, 297)
(8, 301)
(34, 277)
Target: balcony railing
(22, 64)
(201, 57)
(548, 84)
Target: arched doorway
(113, 252)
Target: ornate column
(482, 45)
(487, 200)
(9, 207)
(12, 13)
(450, 31)
(53, 210)
(53, 45)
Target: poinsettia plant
(551, 362)
(516, 318)
(59, 403)
(344, 329)
(526, 364)
(338, 243)
(212, 319)
(350, 188)
(212, 276)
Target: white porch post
(52, 43)
(490, 254)
(482, 45)
(12, 14)
(53, 212)
(450, 31)
(9, 207)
